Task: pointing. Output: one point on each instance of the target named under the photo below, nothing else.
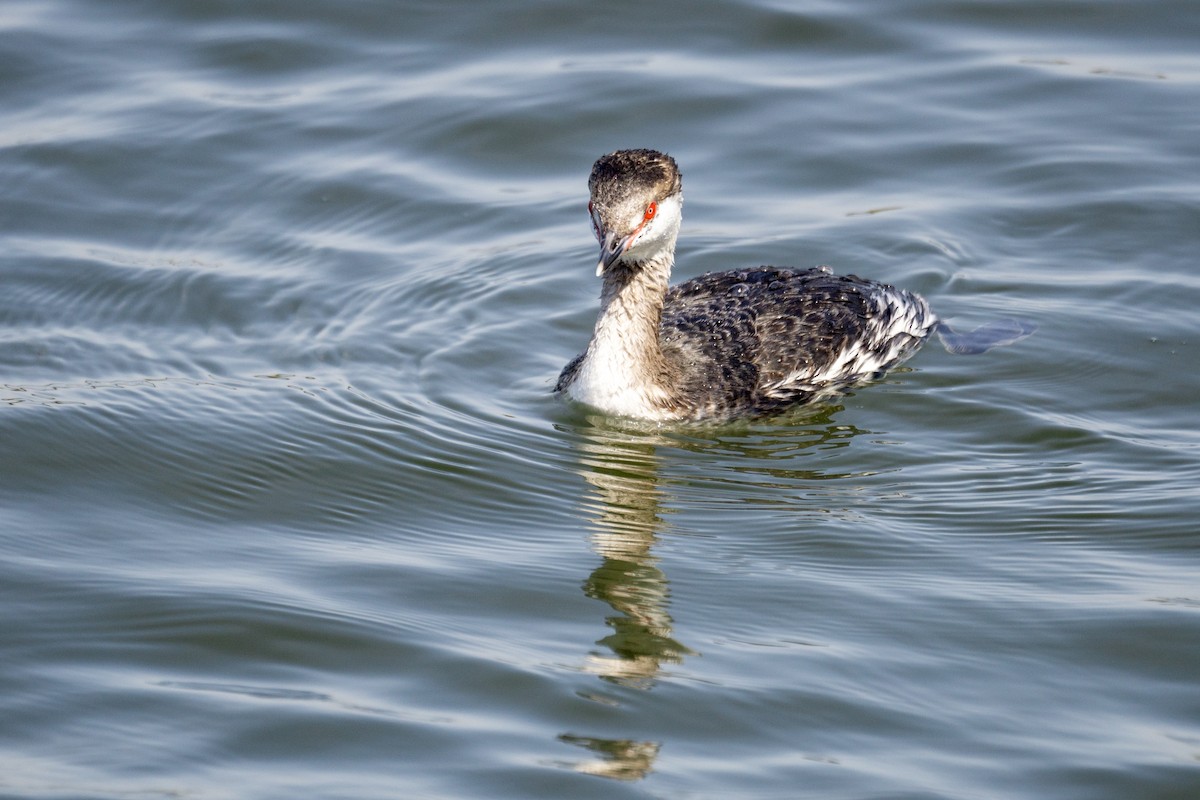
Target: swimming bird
(747, 342)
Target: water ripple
(287, 503)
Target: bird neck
(625, 345)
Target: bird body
(727, 344)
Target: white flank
(901, 320)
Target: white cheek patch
(659, 232)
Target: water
(287, 510)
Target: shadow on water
(628, 504)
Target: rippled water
(287, 509)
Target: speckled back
(757, 340)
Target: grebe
(727, 344)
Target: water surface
(287, 508)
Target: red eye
(650, 211)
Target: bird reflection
(626, 514)
(620, 759)
(626, 511)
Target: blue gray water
(286, 506)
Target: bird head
(636, 205)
